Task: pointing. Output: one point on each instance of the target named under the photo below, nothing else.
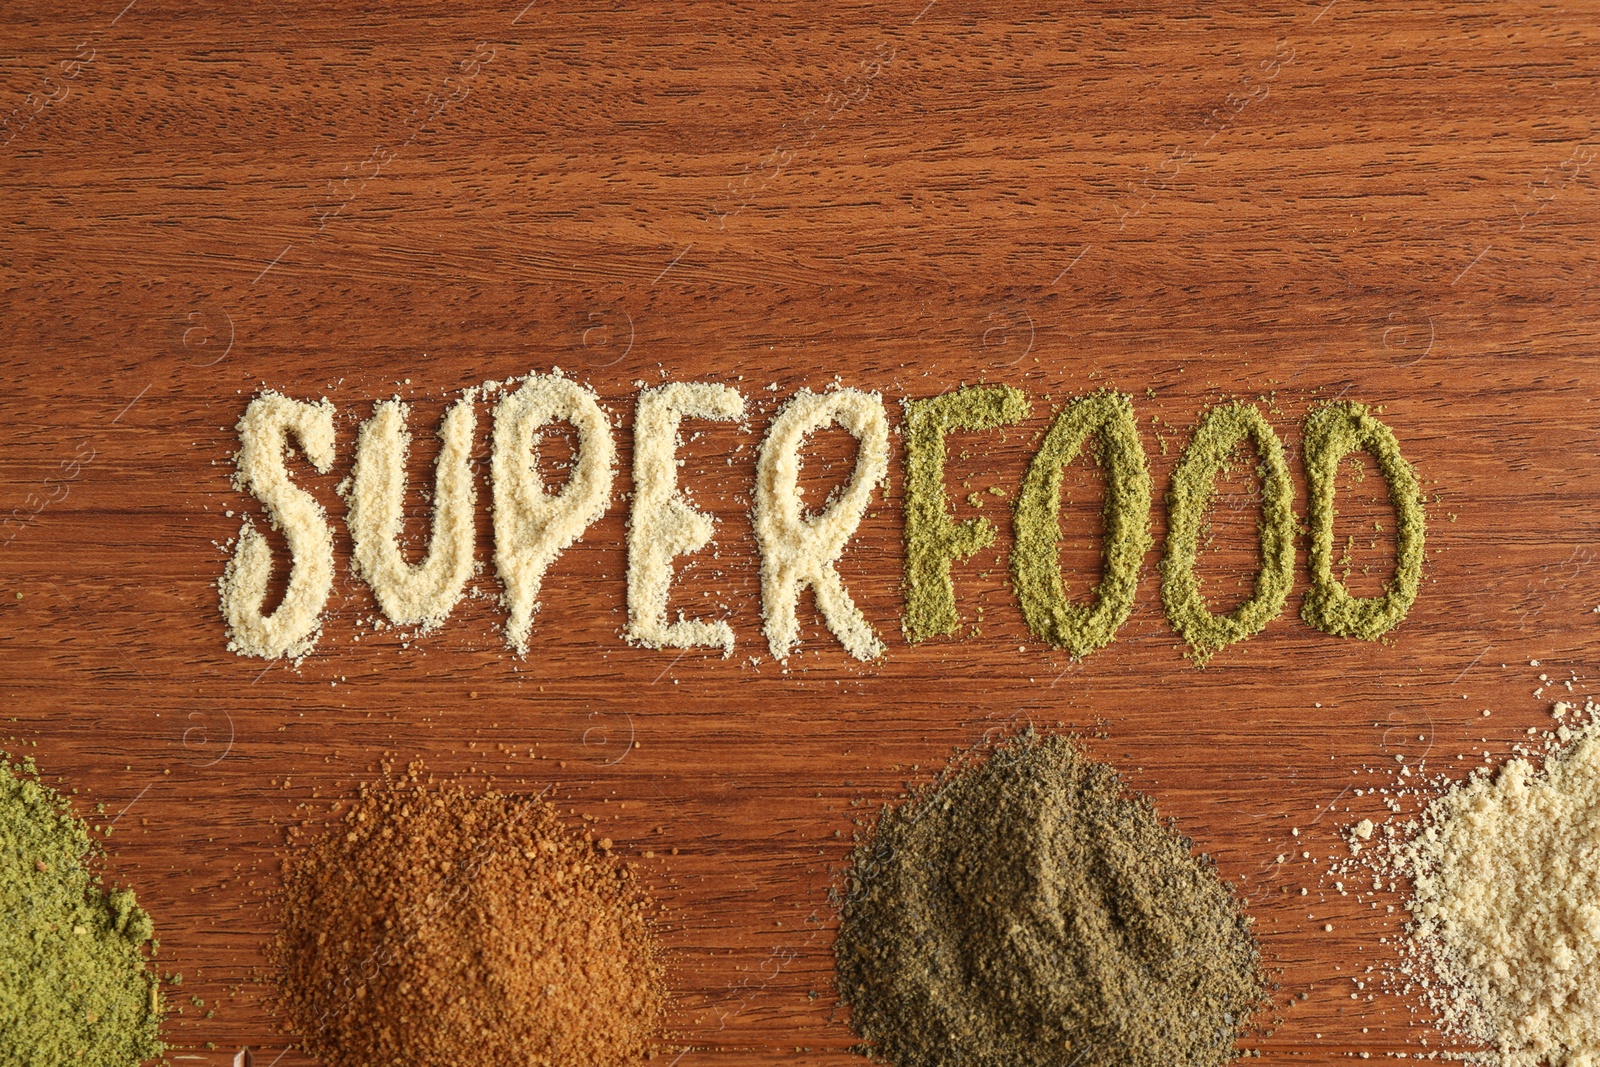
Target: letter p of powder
(292, 629)
(662, 524)
(532, 527)
(796, 551)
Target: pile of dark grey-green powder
(1028, 911)
(74, 984)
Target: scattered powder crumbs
(1193, 482)
(1027, 911)
(421, 595)
(1504, 939)
(932, 540)
(75, 987)
(532, 527)
(662, 524)
(1036, 555)
(433, 925)
(291, 630)
(797, 551)
(1331, 433)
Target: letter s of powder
(662, 524)
(532, 527)
(292, 629)
(796, 551)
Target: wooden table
(1299, 202)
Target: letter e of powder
(662, 524)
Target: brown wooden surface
(1386, 202)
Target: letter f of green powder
(932, 540)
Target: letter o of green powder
(1193, 483)
(1035, 556)
(1331, 433)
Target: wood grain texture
(1385, 202)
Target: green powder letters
(1331, 433)
(1187, 498)
(933, 542)
(1036, 571)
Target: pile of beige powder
(1505, 931)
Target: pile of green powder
(1029, 912)
(74, 987)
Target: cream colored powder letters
(424, 594)
(662, 524)
(292, 629)
(532, 527)
(797, 551)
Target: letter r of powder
(797, 551)
(662, 525)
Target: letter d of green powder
(1331, 433)
(1192, 484)
(1035, 556)
(933, 542)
